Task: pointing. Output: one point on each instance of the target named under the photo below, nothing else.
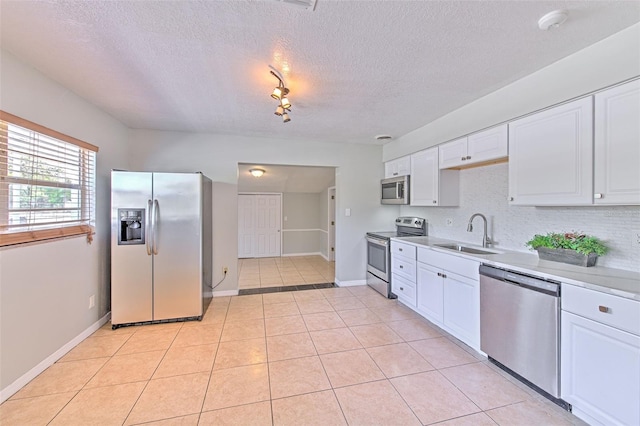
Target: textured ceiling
(356, 69)
(280, 178)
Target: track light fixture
(280, 94)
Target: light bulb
(277, 93)
(279, 110)
(285, 103)
(285, 118)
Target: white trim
(325, 257)
(322, 230)
(21, 381)
(349, 283)
(224, 293)
(317, 253)
(331, 256)
(304, 230)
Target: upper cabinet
(429, 185)
(617, 145)
(398, 167)
(551, 156)
(487, 145)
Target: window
(47, 183)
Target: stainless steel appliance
(379, 252)
(160, 246)
(394, 190)
(520, 324)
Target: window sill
(23, 237)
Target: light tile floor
(284, 271)
(317, 357)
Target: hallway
(284, 271)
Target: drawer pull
(401, 288)
(401, 267)
(604, 309)
(439, 274)
(444, 275)
(468, 157)
(399, 249)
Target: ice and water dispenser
(131, 230)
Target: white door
(267, 231)
(331, 252)
(617, 145)
(551, 156)
(246, 227)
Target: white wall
(45, 287)
(358, 173)
(612, 60)
(485, 190)
(225, 231)
(301, 229)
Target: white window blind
(47, 183)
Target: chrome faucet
(486, 241)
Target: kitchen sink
(467, 249)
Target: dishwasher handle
(541, 285)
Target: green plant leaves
(584, 244)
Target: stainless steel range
(379, 252)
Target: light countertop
(608, 280)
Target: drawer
(404, 267)
(615, 311)
(404, 289)
(450, 262)
(404, 250)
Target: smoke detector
(309, 5)
(552, 19)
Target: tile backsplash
(485, 190)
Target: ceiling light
(384, 137)
(256, 172)
(553, 19)
(279, 94)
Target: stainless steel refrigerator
(161, 260)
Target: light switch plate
(347, 212)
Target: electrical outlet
(92, 301)
(449, 221)
(225, 269)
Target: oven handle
(377, 241)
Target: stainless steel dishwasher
(520, 326)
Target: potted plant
(571, 247)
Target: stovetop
(405, 227)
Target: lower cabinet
(600, 362)
(430, 298)
(449, 299)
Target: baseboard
(350, 283)
(301, 254)
(14, 387)
(225, 293)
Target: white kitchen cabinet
(403, 272)
(430, 296)
(617, 145)
(551, 156)
(430, 186)
(478, 148)
(448, 294)
(398, 167)
(600, 358)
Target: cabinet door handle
(463, 158)
(402, 288)
(395, 174)
(598, 196)
(439, 274)
(468, 157)
(435, 202)
(444, 275)
(510, 198)
(401, 267)
(604, 309)
(399, 249)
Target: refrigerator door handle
(155, 227)
(147, 228)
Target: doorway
(259, 224)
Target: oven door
(378, 258)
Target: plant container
(571, 257)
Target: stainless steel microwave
(395, 190)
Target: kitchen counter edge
(618, 282)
